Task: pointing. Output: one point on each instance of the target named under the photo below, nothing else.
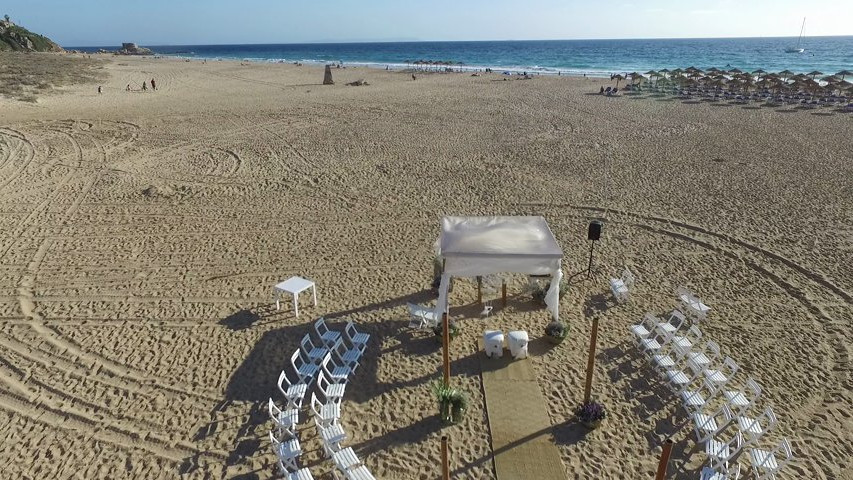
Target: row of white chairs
(330, 361)
(699, 375)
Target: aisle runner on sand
(522, 444)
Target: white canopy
(474, 246)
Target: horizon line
(327, 42)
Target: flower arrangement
(590, 414)
(556, 331)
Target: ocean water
(826, 54)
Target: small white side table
(294, 286)
(493, 343)
(517, 341)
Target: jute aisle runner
(522, 444)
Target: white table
(294, 286)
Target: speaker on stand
(593, 234)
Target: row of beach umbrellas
(739, 79)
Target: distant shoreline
(597, 58)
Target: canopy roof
(498, 237)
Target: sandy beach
(143, 232)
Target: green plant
(438, 330)
(452, 402)
(556, 331)
(538, 295)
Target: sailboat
(797, 49)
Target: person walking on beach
(153, 85)
(128, 88)
(99, 89)
(144, 86)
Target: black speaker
(594, 232)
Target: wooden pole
(479, 290)
(664, 459)
(503, 293)
(591, 362)
(445, 464)
(445, 341)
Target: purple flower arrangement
(590, 412)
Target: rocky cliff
(15, 37)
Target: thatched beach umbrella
(618, 77)
(814, 73)
(735, 70)
(664, 72)
(844, 73)
(786, 74)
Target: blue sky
(181, 22)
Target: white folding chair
(314, 353)
(293, 392)
(348, 357)
(287, 453)
(359, 473)
(691, 337)
(284, 420)
(721, 452)
(741, 401)
(334, 372)
(767, 463)
(645, 328)
(678, 379)
(673, 324)
(620, 287)
(304, 369)
(695, 399)
(332, 392)
(331, 435)
(691, 304)
(421, 317)
(346, 459)
(707, 425)
(754, 428)
(301, 474)
(704, 357)
(328, 337)
(355, 338)
(325, 413)
(724, 373)
(732, 473)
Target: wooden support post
(503, 293)
(664, 459)
(445, 464)
(445, 341)
(591, 362)
(479, 290)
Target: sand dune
(143, 233)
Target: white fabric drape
(455, 268)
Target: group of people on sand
(144, 86)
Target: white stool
(517, 342)
(493, 342)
